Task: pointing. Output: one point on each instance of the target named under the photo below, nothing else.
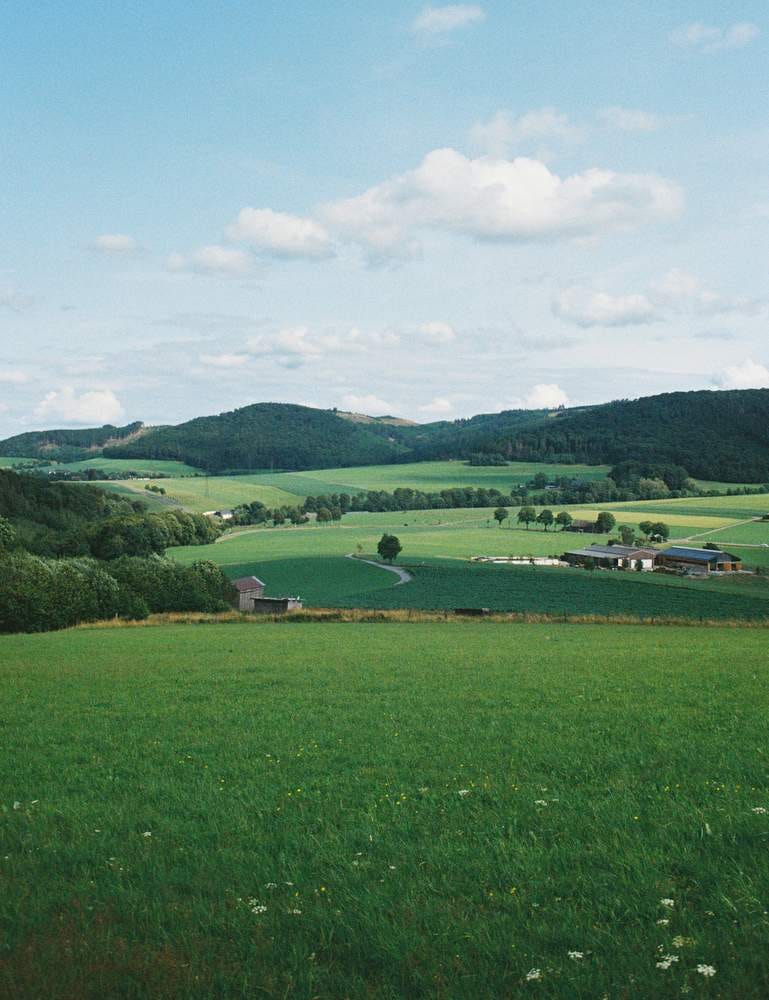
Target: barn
(614, 556)
(249, 589)
(582, 526)
(700, 560)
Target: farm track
(403, 575)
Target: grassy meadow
(466, 810)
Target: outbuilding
(614, 557)
(249, 589)
(700, 560)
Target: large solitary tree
(605, 522)
(388, 547)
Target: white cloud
(707, 38)
(442, 20)
(684, 292)
(214, 260)
(503, 134)
(543, 396)
(495, 199)
(13, 376)
(116, 243)
(100, 406)
(437, 332)
(369, 404)
(440, 406)
(588, 308)
(631, 119)
(280, 234)
(224, 360)
(748, 375)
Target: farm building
(225, 515)
(700, 560)
(580, 525)
(250, 589)
(614, 556)
(250, 597)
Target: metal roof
(699, 555)
(248, 583)
(614, 552)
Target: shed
(700, 560)
(249, 589)
(579, 524)
(275, 605)
(614, 556)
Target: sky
(424, 210)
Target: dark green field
(384, 811)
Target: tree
(564, 518)
(646, 528)
(324, 515)
(605, 522)
(500, 515)
(627, 534)
(526, 515)
(660, 531)
(7, 534)
(545, 518)
(539, 482)
(388, 547)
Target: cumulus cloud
(682, 291)
(443, 20)
(504, 133)
(437, 332)
(440, 406)
(632, 119)
(543, 396)
(708, 38)
(224, 360)
(117, 243)
(99, 406)
(495, 199)
(748, 375)
(280, 234)
(213, 260)
(13, 376)
(587, 308)
(368, 404)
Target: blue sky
(429, 210)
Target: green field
(383, 811)
(143, 466)
(202, 493)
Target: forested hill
(66, 445)
(263, 436)
(720, 435)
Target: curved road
(403, 575)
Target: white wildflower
(679, 941)
(706, 970)
(670, 903)
(147, 833)
(667, 961)
(759, 810)
(663, 921)
(463, 792)
(295, 913)
(540, 802)
(271, 885)
(533, 974)
(257, 907)
(575, 955)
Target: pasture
(202, 493)
(384, 811)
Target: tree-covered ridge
(263, 436)
(66, 445)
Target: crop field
(201, 493)
(384, 811)
(752, 533)
(143, 466)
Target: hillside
(67, 445)
(263, 436)
(714, 435)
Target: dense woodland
(721, 435)
(76, 553)
(66, 445)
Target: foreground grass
(383, 811)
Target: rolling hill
(714, 435)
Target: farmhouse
(700, 560)
(250, 597)
(614, 556)
(581, 525)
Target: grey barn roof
(614, 552)
(247, 583)
(699, 555)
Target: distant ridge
(720, 435)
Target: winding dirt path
(403, 575)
